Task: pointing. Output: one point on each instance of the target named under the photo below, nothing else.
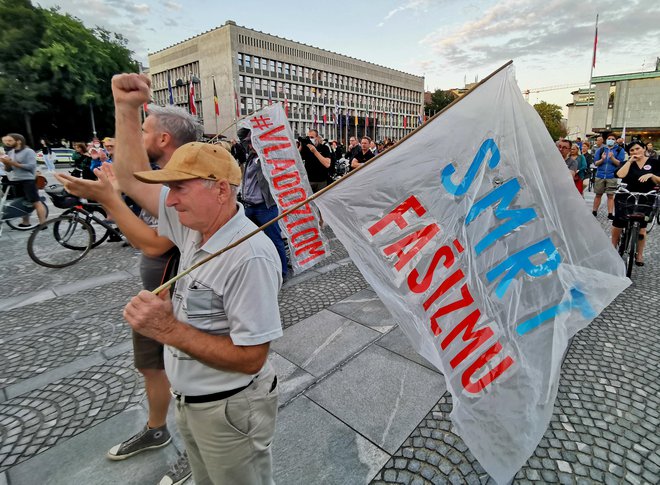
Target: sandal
(639, 263)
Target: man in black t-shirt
(317, 158)
(361, 156)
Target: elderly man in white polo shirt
(221, 319)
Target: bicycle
(654, 218)
(14, 207)
(65, 240)
(629, 208)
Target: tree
(439, 99)
(57, 69)
(551, 116)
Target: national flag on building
(236, 105)
(405, 121)
(593, 61)
(336, 114)
(270, 97)
(286, 107)
(356, 118)
(170, 93)
(216, 103)
(191, 98)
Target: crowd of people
(610, 162)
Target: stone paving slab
(319, 343)
(381, 395)
(397, 342)
(313, 446)
(364, 307)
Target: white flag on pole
(473, 235)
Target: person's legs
(41, 211)
(616, 236)
(640, 246)
(157, 387)
(599, 190)
(260, 214)
(234, 436)
(610, 204)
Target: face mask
(610, 143)
(313, 140)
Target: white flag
(473, 235)
(283, 167)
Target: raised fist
(131, 89)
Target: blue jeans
(260, 214)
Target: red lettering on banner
(420, 238)
(449, 282)
(465, 301)
(298, 191)
(397, 215)
(295, 238)
(269, 135)
(446, 255)
(293, 224)
(312, 249)
(275, 148)
(280, 165)
(286, 180)
(475, 387)
(475, 338)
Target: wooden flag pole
(311, 198)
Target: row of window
(315, 76)
(268, 87)
(279, 48)
(179, 76)
(309, 111)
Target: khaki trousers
(229, 441)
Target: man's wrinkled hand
(131, 89)
(106, 175)
(151, 315)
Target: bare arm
(139, 234)
(152, 316)
(131, 91)
(325, 161)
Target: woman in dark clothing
(641, 174)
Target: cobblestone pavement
(72, 354)
(607, 415)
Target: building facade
(580, 114)
(628, 101)
(338, 95)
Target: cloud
(556, 31)
(172, 5)
(408, 5)
(141, 8)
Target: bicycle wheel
(33, 221)
(623, 243)
(60, 242)
(632, 249)
(652, 222)
(95, 216)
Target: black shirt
(316, 171)
(363, 157)
(652, 165)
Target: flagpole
(591, 75)
(314, 196)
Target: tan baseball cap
(195, 161)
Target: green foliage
(551, 116)
(440, 99)
(52, 67)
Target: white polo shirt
(234, 294)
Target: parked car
(62, 155)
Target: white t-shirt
(234, 294)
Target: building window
(255, 59)
(279, 67)
(272, 65)
(248, 84)
(264, 64)
(240, 59)
(241, 81)
(248, 60)
(287, 69)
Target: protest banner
(473, 235)
(283, 167)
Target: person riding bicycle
(641, 174)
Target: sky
(449, 42)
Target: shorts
(147, 353)
(607, 186)
(26, 189)
(316, 186)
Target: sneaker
(610, 216)
(147, 439)
(179, 472)
(595, 213)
